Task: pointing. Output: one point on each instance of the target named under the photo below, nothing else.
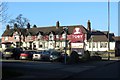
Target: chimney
(7, 27)
(28, 26)
(34, 26)
(15, 26)
(57, 24)
(89, 25)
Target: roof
(117, 38)
(44, 30)
(8, 32)
(98, 38)
(47, 30)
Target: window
(89, 44)
(96, 45)
(39, 36)
(51, 37)
(63, 35)
(57, 36)
(103, 45)
(40, 46)
(16, 36)
(6, 38)
(93, 44)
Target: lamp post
(65, 29)
(108, 28)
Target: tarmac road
(111, 71)
(44, 70)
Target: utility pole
(108, 29)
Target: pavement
(47, 70)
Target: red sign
(77, 37)
(77, 30)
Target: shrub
(74, 57)
(86, 56)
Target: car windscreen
(8, 50)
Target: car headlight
(51, 55)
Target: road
(44, 70)
(111, 71)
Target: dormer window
(16, 36)
(6, 38)
(51, 36)
(39, 36)
(57, 36)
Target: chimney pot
(89, 25)
(57, 24)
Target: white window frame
(16, 36)
(6, 38)
(51, 36)
(103, 44)
(39, 36)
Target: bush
(74, 57)
(86, 56)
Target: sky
(45, 14)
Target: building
(78, 38)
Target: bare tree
(3, 9)
(18, 23)
(19, 20)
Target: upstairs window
(39, 36)
(57, 36)
(6, 38)
(51, 37)
(16, 36)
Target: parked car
(45, 55)
(7, 53)
(13, 53)
(55, 56)
(28, 54)
(37, 55)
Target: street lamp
(108, 29)
(65, 29)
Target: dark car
(7, 53)
(55, 56)
(27, 55)
(13, 53)
(45, 55)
